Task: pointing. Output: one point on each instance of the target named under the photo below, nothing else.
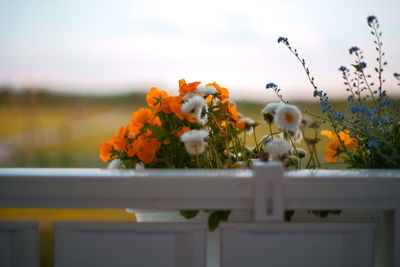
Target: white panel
(129, 244)
(296, 244)
(19, 244)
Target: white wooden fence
(366, 234)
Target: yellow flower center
(289, 117)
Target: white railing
(265, 190)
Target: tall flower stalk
(367, 135)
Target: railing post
(268, 181)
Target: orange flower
(140, 118)
(105, 151)
(231, 109)
(167, 102)
(241, 126)
(119, 143)
(146, 148)
(334, 144)
(185, 88)
(223, 92)
(132, 150)
(155, 97)
(175, 104)
(124, 132)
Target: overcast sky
(113, 46)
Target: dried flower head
(299, 152)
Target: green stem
(309, 150)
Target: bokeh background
(72, 72)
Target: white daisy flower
(114, 164)
(272, 107)
(288, 117)
(277, 148)
(268, 111)
(206, 90)
(202, 91)
(194, 141)
(197, 106)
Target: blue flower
(375, 120)
(283, 39)
(363, 65)
(373, 144)
(355, 109)
(385, 102)
(324, 110)
(371, 19)
(367, 112)
(324, 102)
(271, 85)
(339, 115)
(353, 49)
(343, 68)
(361, 109)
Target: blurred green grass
(40, 129)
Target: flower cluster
(367, 134)
(282, 145)
(199, 128)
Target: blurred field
(40, 129)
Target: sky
(98, 47)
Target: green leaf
(357, 67)
(189, 214)
(288, 215)
(325, 213)
(216, 217)
(157, 131)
